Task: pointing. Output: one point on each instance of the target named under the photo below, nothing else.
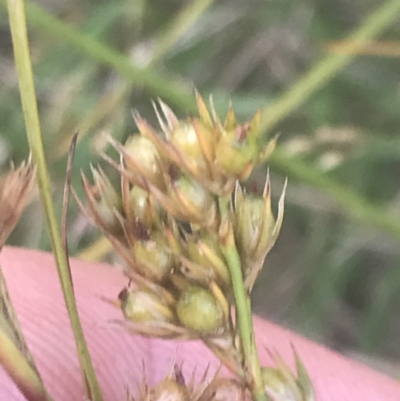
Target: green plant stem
(330, 65)
(28, 97)
(355, 205)
(175, 91)
(245, 323)
(178, 27)
(242, 305)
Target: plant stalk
(242, 305)
(16, 10)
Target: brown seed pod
(104, 203)
(223, 389)
(169, 390)
(15, 191)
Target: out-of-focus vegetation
(335, 272)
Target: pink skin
(118, 357)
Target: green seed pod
(144, 207)
(142, 306)
(256, 229)
(198, 310)
(153, 256)
(254, 224)
(205, 252)
(194, 198)
(143, 156)
(280, 385)
(185, 138)
(236, 152)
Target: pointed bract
(256, 229)
(281, 384)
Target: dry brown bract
(15, 190)
(174, 388)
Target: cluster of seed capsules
(179, 205)
(281, 384)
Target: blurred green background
(334, 274)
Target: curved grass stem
(329, 66)
(23, 64)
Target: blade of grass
(17, 19)
(178, 27)
(354, 205)
(326, 69)
(371, 48)
(175, 91)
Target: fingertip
(119, 357)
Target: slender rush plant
(194, 242)
(192, 239)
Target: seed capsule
(144, 207)
(254, 225)
(205, 252)
(223, 389)
(109, 218)
(256, 229)
(185, 138)
(280, 386)
(169, 390)
(143, 306)
(192, 194)
(142, 155)
(153, 256)
(236, 152)
(198, 310)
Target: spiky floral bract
(174, 387)
(281, 384)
